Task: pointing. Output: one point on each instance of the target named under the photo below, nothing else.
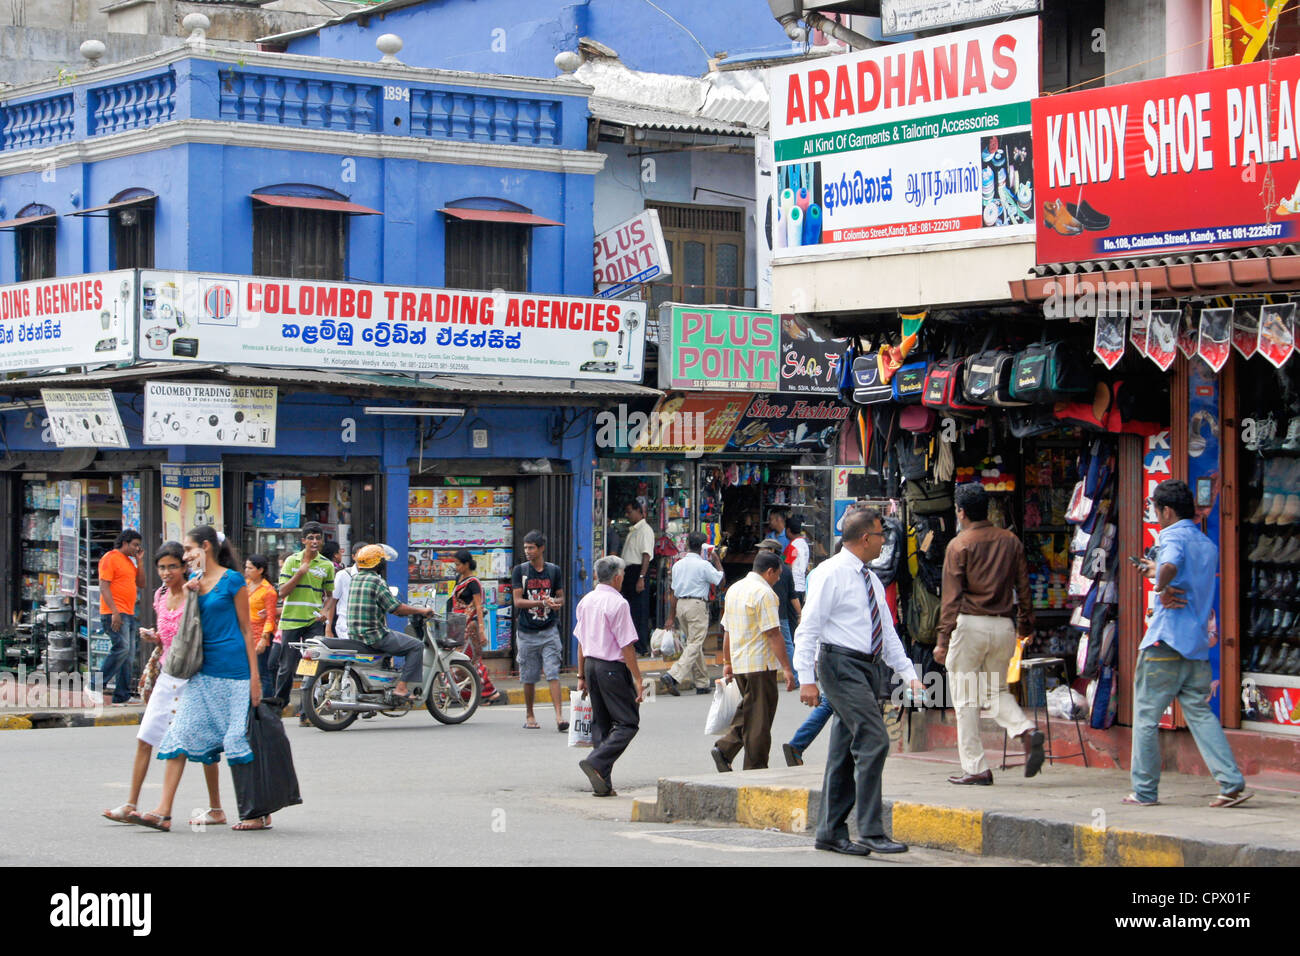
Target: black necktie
(877, 628)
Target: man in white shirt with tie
(845, 627)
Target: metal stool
(1044, 664)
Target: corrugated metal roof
(628, 114)
(1086, 266)
(472, 386)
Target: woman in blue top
(213, 713)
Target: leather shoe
(984, 779)
(843, 846)
(669, 683)
(1033, 753)
(882, 844)
(719, 761)
(792, 757)
(600, 786)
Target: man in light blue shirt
(688, 601)
(1174, 657)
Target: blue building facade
(200, 150)
(522, 36)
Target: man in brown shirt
(982, 568)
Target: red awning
(310, 202)
(120, 204)
(499, 215)
(49, 217)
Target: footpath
(1066, 814)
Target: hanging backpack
(987, 379)
(923, 609)
(928, 497)
(909, 382)
(868, 389)
(1049, 372)
(943, 387)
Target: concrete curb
(978, 832)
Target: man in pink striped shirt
(608, 671)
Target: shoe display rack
(1271, 622)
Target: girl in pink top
(169, 606)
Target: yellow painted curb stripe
(942, 827)
(645, 811)
(117, 720)
(1089, 846)
(1130, 848)
(782, 808)
(15, 722)
(543, 695)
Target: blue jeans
(1163, 675)
(121, 658)
(789, 642)
(812, 726)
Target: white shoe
(94, 696)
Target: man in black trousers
(608, 671)
(845, 628)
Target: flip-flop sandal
(532, 726)
(1231, 799)
(241, 828)
(562, 726)
(1133, 801)
(208, 818)
(140, 819)
(120, 814)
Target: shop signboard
(686, 423)
(288, 323)
(209, 413)
(906, 144)
(809, 363)
(191, 496)
(789, 425)
(81, 320)
(631, 253)
(716, 347)
(911, 16)
(1169, 165)
(83, 418)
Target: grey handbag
(186, 655)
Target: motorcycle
(352, 680)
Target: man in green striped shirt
(307, 588)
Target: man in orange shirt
(121, 575)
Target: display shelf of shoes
(1273, 680)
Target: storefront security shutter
(545, 503)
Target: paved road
(408, 791)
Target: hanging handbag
(987, 378)
(943, 387)
(929, 497)
(185, 658)
(1031, 421)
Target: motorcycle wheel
(334, 680)
(455, 705)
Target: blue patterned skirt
(212, 717)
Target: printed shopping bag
(580, 721)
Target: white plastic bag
(726, 699)
(657, 640)
(669, 646)
(1067, 703)
(579, 721)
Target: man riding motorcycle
(369, 601)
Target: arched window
(487, 243)
(130, 217)
(301, 231)
(34, 232)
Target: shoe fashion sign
(906, 144)
(1169, 165)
